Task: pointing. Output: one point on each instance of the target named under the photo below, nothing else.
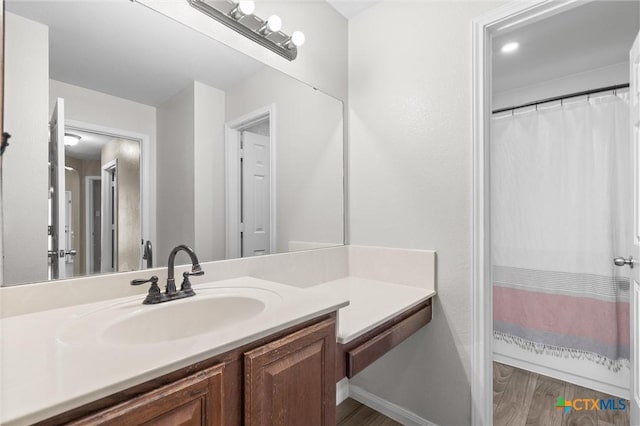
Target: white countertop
(53, 361)
(47, 370)
(371, 303)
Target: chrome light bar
(251, 26)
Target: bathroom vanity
(287, 380)
(267, 348)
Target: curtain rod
(559, 98)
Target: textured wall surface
(410, 184)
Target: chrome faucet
(171, 293)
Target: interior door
(57, 219)
(256, 197)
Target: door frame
(109, 203)
(232, 132)
(89, 219)
(147, 170)
(512, 15)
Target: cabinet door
(291, 381)
(194, 400)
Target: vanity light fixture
(510, 47)
(239, 17)
(71, 139)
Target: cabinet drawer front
(290, 381)
(194, 400)
(362, 356)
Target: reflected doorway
(250, 184)
(94, 192)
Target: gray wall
(26, 119)
(410, 175)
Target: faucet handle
(154, 295)
(153, 280)
(186, 284)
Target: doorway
(508, 246)
(97, 189)
(250, 184)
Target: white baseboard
(389, 409)
(342, 390)
(564, 374)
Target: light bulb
(247, 7)
(297, 38)
(274, 23)
(510, 47)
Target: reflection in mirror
(131, 131)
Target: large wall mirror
(132, 133)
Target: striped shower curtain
(560, 179)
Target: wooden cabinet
(194, 400)
(291, 381)
(283, 379)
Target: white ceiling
(591, 36)
(89, 147)
(124, 49)
(351, 8)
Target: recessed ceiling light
(510, 47)
(71, 140)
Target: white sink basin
(132, 323)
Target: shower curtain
(561, 212)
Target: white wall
(90, 106)
(191, 173)
(410, 184)
(175, 174)
(308, 136)
(591, 79)
(26, 117)
(321, 62)
(209, 207)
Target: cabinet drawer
(369, 350)
(194, 400)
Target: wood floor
(351, 413)
(522, 398)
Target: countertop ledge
(371, 303)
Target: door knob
(71, 252)
(621, 261)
